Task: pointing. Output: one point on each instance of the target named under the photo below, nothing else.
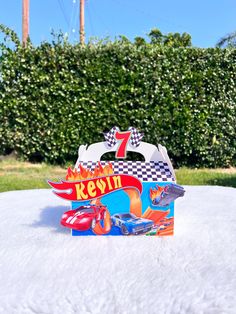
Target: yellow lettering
(109, 183)
(117, 182)
(80, 191)
(101, 185)
(91, 188)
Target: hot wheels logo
(94, 188)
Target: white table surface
(45, 270)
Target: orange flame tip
(84, 173)
(156, 192)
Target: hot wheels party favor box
(120, 197)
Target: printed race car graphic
(168, 194)
(163, 227)
(84, 217)
(131, 224)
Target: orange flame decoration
(156, 192)
(84, 173)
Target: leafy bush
(57, 96)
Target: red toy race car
(83, 217)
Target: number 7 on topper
(123, 137)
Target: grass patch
(19, 175)
(223, 177)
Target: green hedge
(56, 96)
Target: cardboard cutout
(120, 197)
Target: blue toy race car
(170, 193)
(131, 224)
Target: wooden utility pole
(25, 21)
(82, 34)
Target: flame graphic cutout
(83, 173)
(156, 192)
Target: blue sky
(206, 21)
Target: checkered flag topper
(136, 137)
(110, 136)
